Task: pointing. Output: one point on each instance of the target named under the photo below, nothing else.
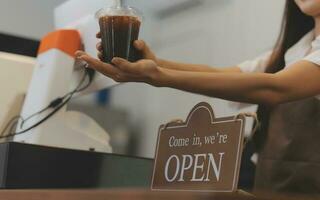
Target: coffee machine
(56, 74)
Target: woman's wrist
(158, 77)
(159, 62)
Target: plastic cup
(119, 27)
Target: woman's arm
(148, 54)
(195, 68)
(300, 81)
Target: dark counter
(24, 166)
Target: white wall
(218, 33)
(27, 18)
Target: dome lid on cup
(119, 11)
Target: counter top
(131, 194)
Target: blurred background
(213, 32)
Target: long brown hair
(295, 25)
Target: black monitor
(18, 45)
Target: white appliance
(56, 74)
(15, 76)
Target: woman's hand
(140, 45)
(121, 70)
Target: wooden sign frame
(201, 119)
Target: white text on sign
(196, 163)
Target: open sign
(201, 154)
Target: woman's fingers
(144, 48)
(96, 64)
(100, 50)
(100, 56)
(98, 35)
(99, 46)
(125, 65)
(139, 44)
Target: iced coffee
(119, 27)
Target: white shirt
(296, 53)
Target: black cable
(13, 126)
(57, 104)
(90, 79)
(90, 73)
(40, 122)
(9, 124)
